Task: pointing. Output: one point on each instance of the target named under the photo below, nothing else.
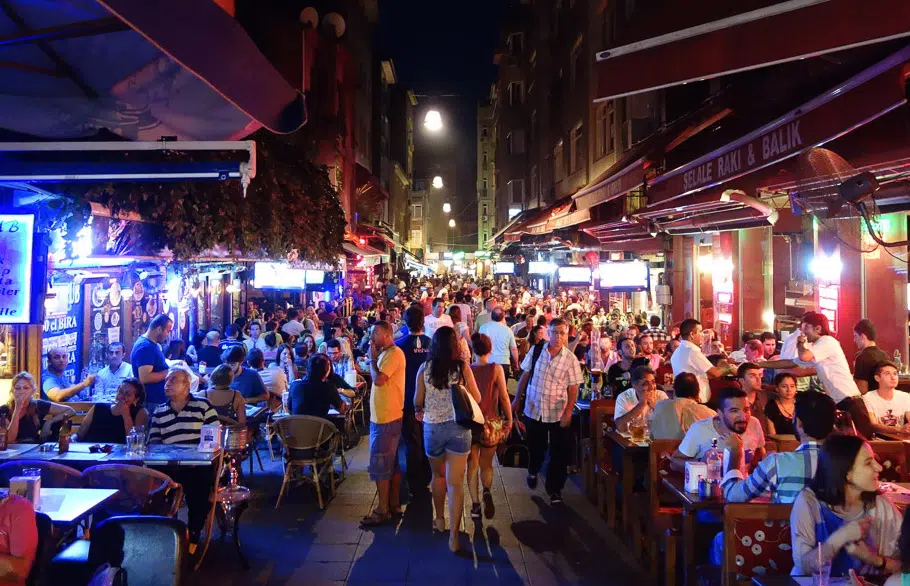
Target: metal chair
(53, 475)
(308, 441)
(142, 491)
(357, 405)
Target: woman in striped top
(180, 421)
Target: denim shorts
(448, 436)
(384, 438)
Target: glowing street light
(437, 182)
(452, 223)
(433, 121)
(446, 207)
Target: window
(485, 236)
(576, 149)
(515, 142)
(485, 210)
(603, 132)
(575, 66)
(533, 126)
(486, 158)
(516, 191)
(535, 184)
(485, 133)
(516, 93)
(516, 43)
(558, 162)
(417, 236)
(486, 185)
(417, 212)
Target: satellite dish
(309, 16)
(336, 22)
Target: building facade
(486, 174)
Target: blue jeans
(447, 436)
(384, 438)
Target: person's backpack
(538, 349)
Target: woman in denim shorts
(447, 443)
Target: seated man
(246, 380)
(639, 401)
(673, 418)
(889, 408)
(782, 474)
(750, 377)
(180, 421)
(734, 416)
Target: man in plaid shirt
(783, 474)
(550, 384)
(657, 333)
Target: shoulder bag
(467, 411)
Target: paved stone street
(528, 542)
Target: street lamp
(452, 233)
(446, 208)
(452, 223)
(437, 182)
(433, 121)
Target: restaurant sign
(17, 244)
(864, 97)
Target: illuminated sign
(828, 296)
(315, 277)
(504, 268)
(17, 234)
(541, 268)
(279, 275)
(625, 275)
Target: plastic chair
(308, 441)
(53, 475)
(143, 491)
(149, 549)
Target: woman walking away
(448, 444)
(497, 413)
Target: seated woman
(109, 424)
(179, 421)
(842, 510)
(27, 416)
(315, 394)
(19, 545)
(226, 402)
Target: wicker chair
(142, 491)
(308, 441)
(53, 475)
(357, 404)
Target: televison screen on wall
(504, 268)
(574, 274)
(626, 275)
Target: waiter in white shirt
(689, 358)
(437, 319)
(817, 348)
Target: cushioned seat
(70, 566)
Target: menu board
(63, 327)
(106, 319)
(17, 240)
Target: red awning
(716, 210)
(611, 185)
(780, 32)
(862, 98)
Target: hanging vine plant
(290, 205)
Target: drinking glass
(637, 429)
(822, 575)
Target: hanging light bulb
(433, 121)
(437, 182)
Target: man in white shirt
(734, 416)
(255, 339)
(639, 401)
(888, 407)
(437, 319)
(467, 315)
(689, 358)
(505, 349)
(293, 327)
(483, 317)
(108, 379)
(817, 348)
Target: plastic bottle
(131, 441)
(714, 458)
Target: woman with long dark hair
(842, 510)
(447, 443)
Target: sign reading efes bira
(17, 241)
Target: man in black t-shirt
(619, 375)
(415, 347)
(868, 357)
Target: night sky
(445, 48)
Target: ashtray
(47, 448)
(97, 448)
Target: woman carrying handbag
(447, 442)
(495, 404)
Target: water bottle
(131, 441)
(897, 361)
(714, 458)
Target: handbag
(494, 432)
(467, 411)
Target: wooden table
(67, 506)
(691, 504)
(79, 453)
(633, 454)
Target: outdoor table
(632, 454)
(785, 581)
(582, 415)
(68, 506)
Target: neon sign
(17, 244)
(828, 297)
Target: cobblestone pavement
(528, 541)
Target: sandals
(489, 509)
(475, 511)
(439, 525)
(375, 519)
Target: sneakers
(532, 481)
(555, 499)
(475, 511)
(489, 509)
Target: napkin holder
(210, 438)
(28, 487)
(694, 471)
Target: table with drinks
(633, 457)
